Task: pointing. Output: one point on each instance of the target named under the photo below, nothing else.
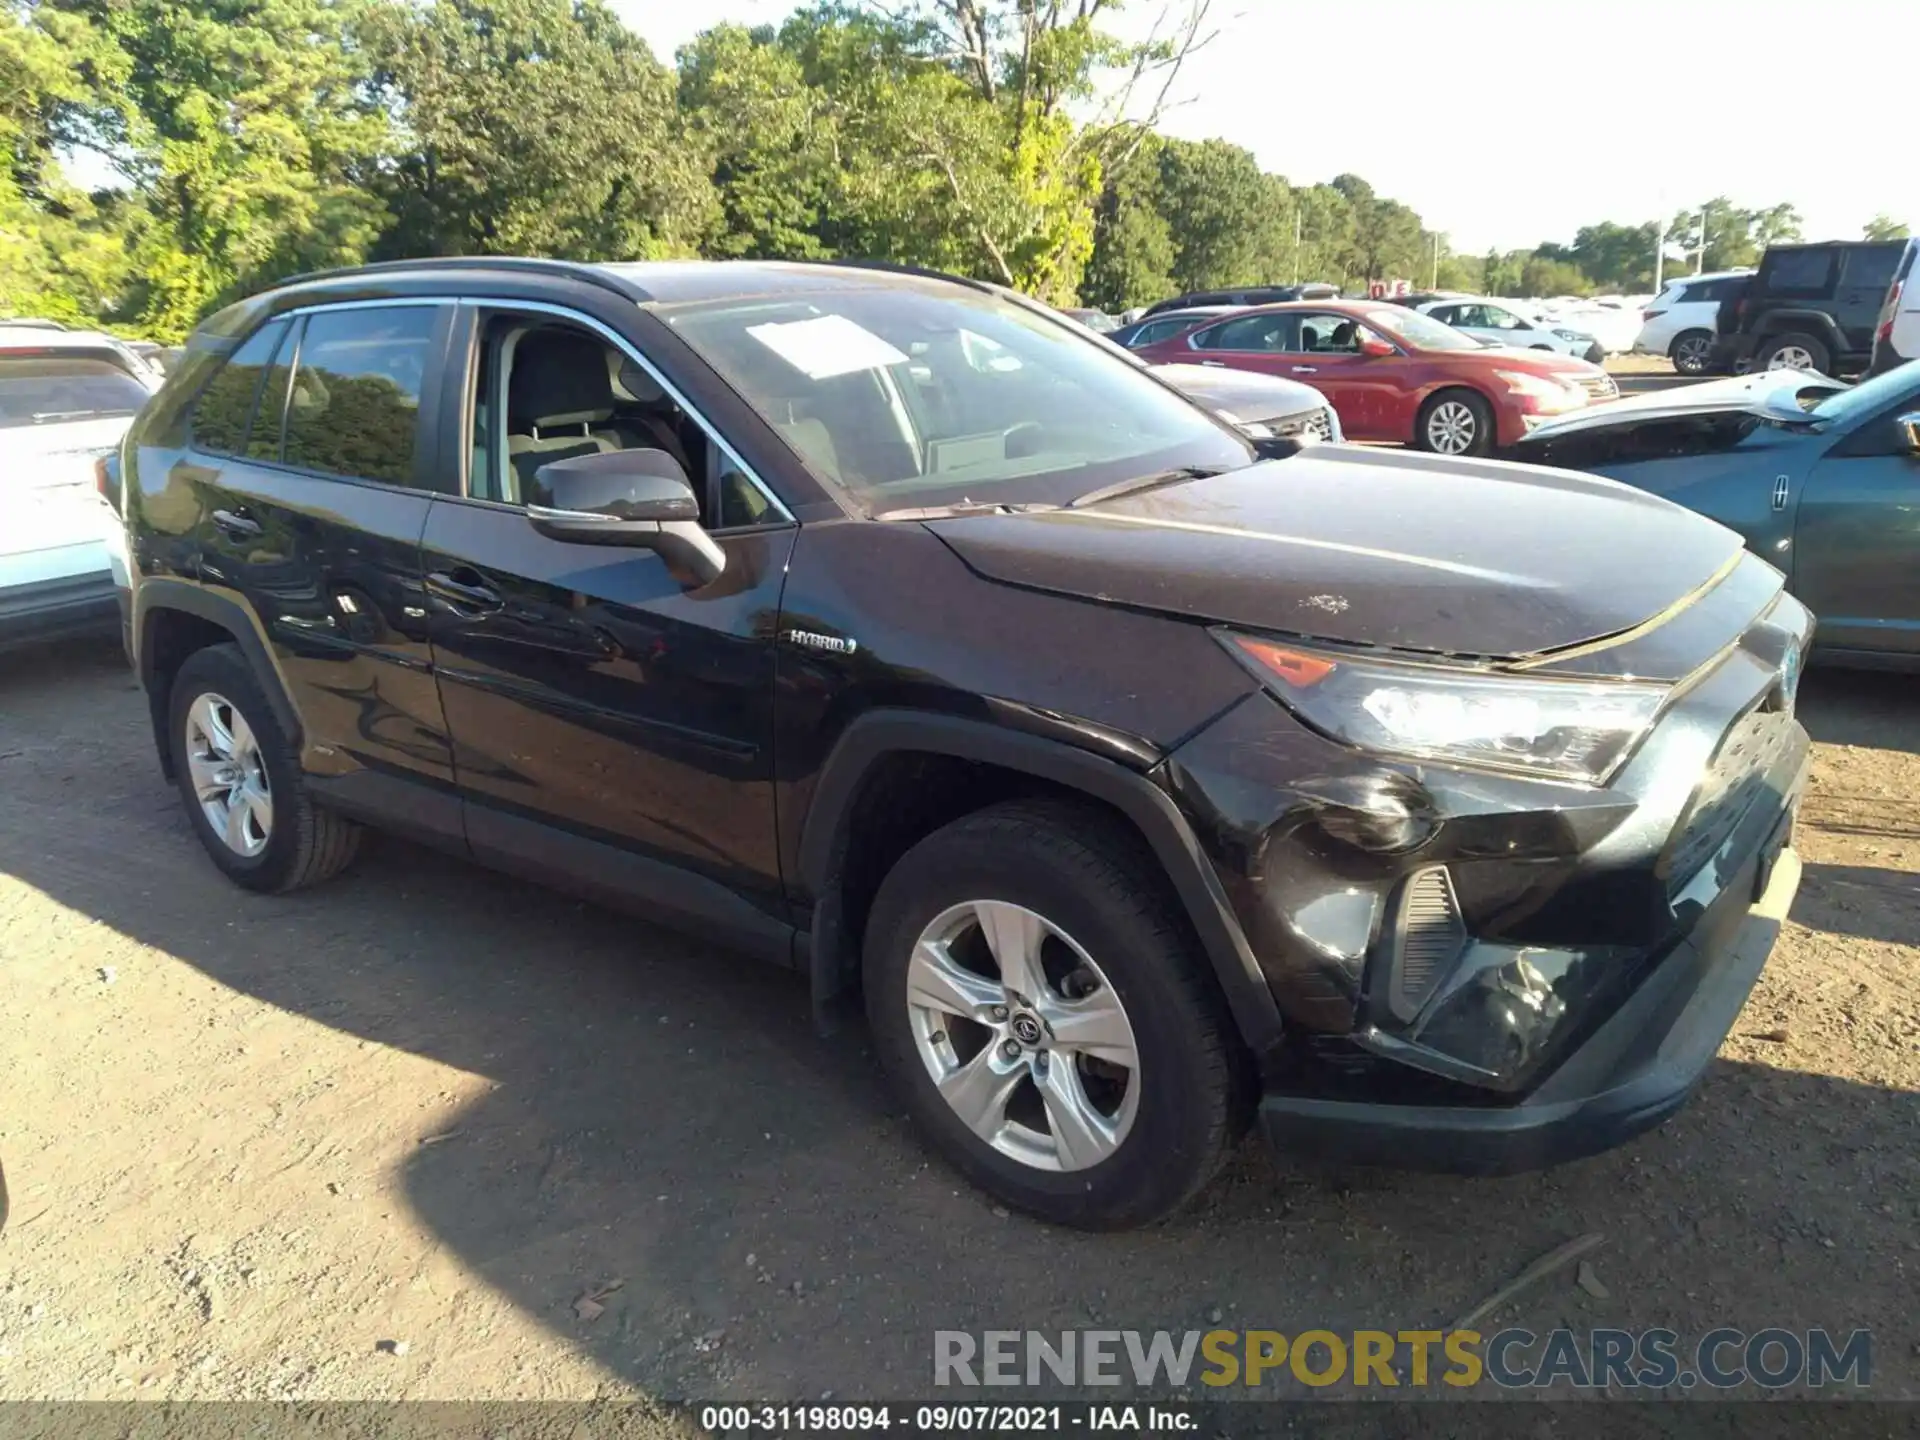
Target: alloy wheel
(229, 775)
(1023, 1035)
(1690, 356)
(1791, 357)
(1451, 428)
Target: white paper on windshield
(826, 346)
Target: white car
(1500, 322)
(66, 398)
(1679, 324)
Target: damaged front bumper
(1484, 972)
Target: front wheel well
(905, 796)
(168, 638)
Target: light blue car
(1822, 479)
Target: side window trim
(477, 303)
(259, 384)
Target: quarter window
(1804, 272)
(222, 413)
(353, 407)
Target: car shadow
(662, 1114)
(1870, 708)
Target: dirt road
(377, 1139)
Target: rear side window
(225, 408)
(1797, 272)
(57, 389)
(1873, 269)
(1249, 332)
(354, 403)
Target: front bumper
(1635, 1071)
(1453, 952)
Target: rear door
(1857, 538)
(312, 466)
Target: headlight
(1574, 335)
(1544, 393)
(1564, 729)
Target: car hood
(1243, 394)
(1371, 547)
(1766, 394)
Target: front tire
(1691, 352)
(241, 781)
(1455, 422)
(1043, 1009)
(1794, 350)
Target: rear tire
(241, 782)
(1691, 352)
(1455, 422)
(1086, 914)
(1794, 350)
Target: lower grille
(1317, 423)
(1430, 936)
(1735, 778)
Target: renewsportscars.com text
(1390, 1359)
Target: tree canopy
(1014, 140)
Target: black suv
(1144, 777)
(1809, 307)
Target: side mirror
(640, 498)
(1375, 347)
(1910, 426)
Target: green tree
(1223, 214)
(1385, 241)
(771, 136)
(1885, 227)
(1133, 250)
(1733, 237)
(1539, 277)
(1614, 257)
(541, 127)
(245, 128)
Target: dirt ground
(377, 1139)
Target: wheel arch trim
(160, 594)
(1152, 812)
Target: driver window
(543, 390)
(1329, 334)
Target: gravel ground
(377, 1140)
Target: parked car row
(1391, 374)
(1836, 307)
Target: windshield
(54, 390)
(914, 397)
(1869, 396)
(1423, 332)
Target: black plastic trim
(1151, 810)
(165, 593)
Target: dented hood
(1372, 547)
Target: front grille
(1317, 423)
(1735, 778)
(1431, 934)
(1600, 387)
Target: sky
(1509, 122)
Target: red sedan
(1394, 374)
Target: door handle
(1216, 364)
(1306, 369)
(237, 524)
(464, 588)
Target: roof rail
(893, 268)
(573, 269)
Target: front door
(309, 468)
(1856, 539)
(612, 727)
